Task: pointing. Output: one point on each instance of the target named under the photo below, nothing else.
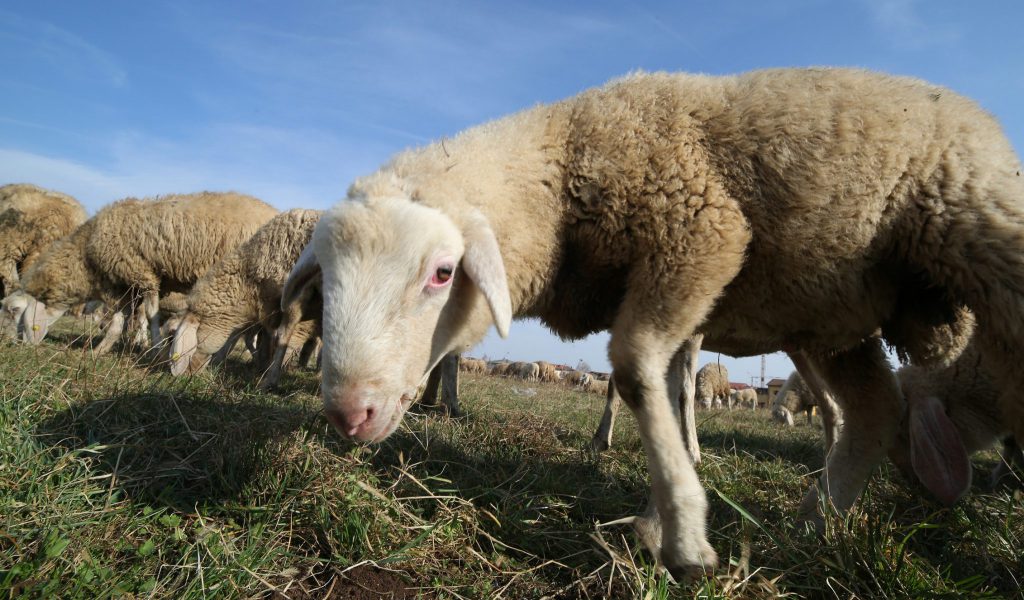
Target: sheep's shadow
(176, 449)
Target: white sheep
(134, 251)
(746, 397)
(712, 385)
(242, 292)
(653, 207)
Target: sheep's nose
(349, 413)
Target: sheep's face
(402, 286)
(187, 346)
(10, 314)
(33, 318)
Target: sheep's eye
(442, 275)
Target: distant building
(773, 388)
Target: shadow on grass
(176, 448)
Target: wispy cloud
(901, 20)
(66, 52)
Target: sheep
(952, 412)
(598, 386)
(793, 397)
(548, 372)
(743, 398)
(653, 207)
(578, 379)
(31, 219)
(242, 292)
(712, 385)
(473, 365)
(133, 251)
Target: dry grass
(117, 480)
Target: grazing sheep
(598, 386)
(242, 292)
(952, 412)
(31, 219)
(657, 207)
(746, 397)
(578, 379)
(500, 368)
(473, 365)
(712, 385)
(793, 397)
(548, 372)
(134, 251)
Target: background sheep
(31, 219)
(473, 365)
(242, 292)
(548, 372)
(712, 385)
(793, 397)
(747, 397)
(133, 251)
(649, 207)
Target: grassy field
(118, 481)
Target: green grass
(118, 480)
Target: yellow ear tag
(175, 356)
(35, 328)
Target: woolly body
(656, 207)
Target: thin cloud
(902, 22)
(65, 51)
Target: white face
(30, 316)
(395, 302)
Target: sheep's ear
(305, 270)
(186, 340)
(936, 451)
(482, 262)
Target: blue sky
(290, 101)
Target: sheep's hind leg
(869, 396)
(114, 328)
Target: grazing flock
(878, 210)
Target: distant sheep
(31, 219)
(242, 292)
(473, 365)
(657, 207)
(133, 251)
(745, 398)
(712, 385)
(548, 372)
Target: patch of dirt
(364, 582)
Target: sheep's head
(402, 286)
(30, 316)
(192, 344)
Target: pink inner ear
(936, 451)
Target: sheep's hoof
(598, 444)
(690, 570)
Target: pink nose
(349, 414)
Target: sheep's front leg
(682, 379)
(114, 328)
(641, 363)
(868, 393)
(151, 308)
(831, 415)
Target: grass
(117, 480)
